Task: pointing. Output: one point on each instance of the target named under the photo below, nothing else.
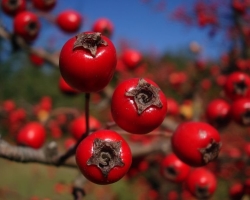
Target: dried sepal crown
(89, 41)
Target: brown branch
(46, 155)
(53, 59)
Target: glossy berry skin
(218, 112)
(128, 101)
(27, 25)
(131, 58)
(240, 111)
(173, 107)
(196, 143)
(78, 126)
(173, 169)
(66, 88)
(12, 8)
(85, 71)
(237, 85)
(69, 143)
(201, 183)
(32, 135)
(104, 26)
(104, 157)
(44, 5)
(69, 21)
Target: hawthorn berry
(103, 157)
(33, 135)
(218, 112)
(103, 26)
(131, 58)
(237, 85)
(69, 21)
(173, 107)
(66, 88)
(78, 126)
(240, 111)
(13, 7)
(201, 183)
(26, 24)
(44, 5)
(196, 143)
(138, 105)
(87, 61)
(173, 169)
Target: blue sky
(138, 23)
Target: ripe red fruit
(69, 21)
(36, 60)
(87, 62)
(218, 112)
(32, 135)
(69, 142)
(66, 88)
(104, 157)
(8, 105)
(138, 105)
(173, 107)
(78, 126)
(173, 169)
(12, 8)
(201, 183)
(27, 25)
(131, 58)
(240, 111)
(104, 26)
(196, 143)
(236, 191)
(237, 85)
(44, 5)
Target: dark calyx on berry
(106, 155)
(170, 172)
(246, 117)
(89, 41)
(240, 88)
(13, 4)
(145, 95)
(210, 152)
(202, 192)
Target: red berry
(13, 7)
(44, 5)
(236, 191)
(8, 105)
(26, 25)
(173, 169)
(36, 60)
(69, 21)
(218, 112)
(103, 157)
(196, 143)
(78, 126)
(32, 135)
(240, 111)
(69, 142)
(138, 105)
(201, 183)
(237, 85)
(66, 88)
(173, 107)
(131, 58)
(104, 26)
(87, 62)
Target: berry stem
(72, 150)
